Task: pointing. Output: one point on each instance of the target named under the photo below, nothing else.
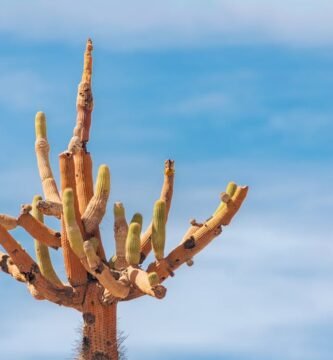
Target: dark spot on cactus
(89, 318)
(142, 257)
(108, 343)
(15, 251)
(163, 278)
(85, 344)
(57, 235)
(189, 243)
(100, 356)
(3, 263)
(99, 269)
(177, 260)
(30, 277)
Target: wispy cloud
(130, 24)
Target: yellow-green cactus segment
(137, 218)
(96, 208)
(40, 125)
(72, 228)
(102, 186)
(158, 229)
(153, 279)
(133, 244)
(230, 190)
(42, 252)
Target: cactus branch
(49, 208)
(201, 238)
(42, 149)
(84, 104)
(42, 252)
(166, 195)
(96, 208)
(39, 231)
(76, 273)
(120, 234)
(64, 295)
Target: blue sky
(232, 90)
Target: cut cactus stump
(96, 283)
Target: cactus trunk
(99, 341)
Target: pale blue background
(232, 90)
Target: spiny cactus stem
(39, 231)
(96, 208)
(84, 102)
(75, 272)
(42, 251)
(201, 238)
(29, 268)
(42, 149)
(166, 195)
(85, 191)
(120, 235)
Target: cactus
(96, 208)
(95, 285)
(158, 233)
(133, 244)
(72, 228)
(42, 251)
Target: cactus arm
(76, 273)
(41, 250)
(225, 197)
(39, 231)
(166, 195)
(120, 235)
(158, 230)
(84, 104)
(96, 208)
(42, 149)
(84, 189)
(201, 238)
(146, 283)
(8, 222)
(133, 244)
(49, 208)
(65, 295)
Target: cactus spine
(158, 231)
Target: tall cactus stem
(42, 252)
(133, 244)
(158, 230)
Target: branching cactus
(96, 283)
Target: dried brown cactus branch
(64, 295)
(201, 238)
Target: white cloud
(132, 24)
